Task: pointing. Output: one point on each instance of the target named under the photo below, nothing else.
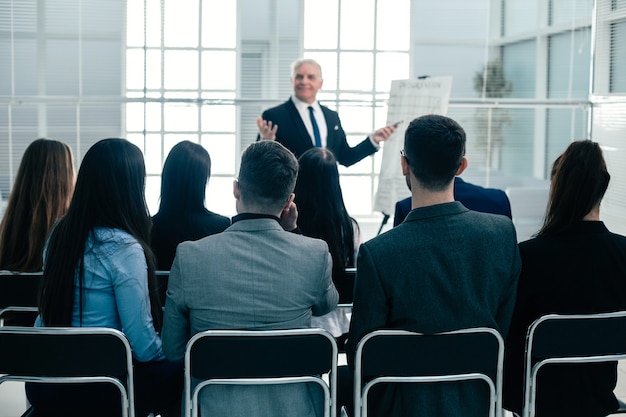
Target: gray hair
(299, 62)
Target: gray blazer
(444, 268)
(252, 276)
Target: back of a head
(267, 176)
(110, 187)
(318, 180)
(579, 181)
(40, 196)
(434, 146)
(321, 209)
(184, 179)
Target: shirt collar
(303, 105)
(250, 216)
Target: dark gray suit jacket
(293, 134)
(252, 276)
(444, 268)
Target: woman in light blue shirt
(99, 272)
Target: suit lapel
(332, 127)
(295, 116)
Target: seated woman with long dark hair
(322, 214)
(182, 214)
(99, 272)
(574, 265)
(40, 195)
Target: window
(365, 47)
(181, 66)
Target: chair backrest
(68, 355)
(579, 338)
(399, 356)
(19, 292)
(259, 358)
(348, 288)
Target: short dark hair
(267, 175)
(579, 181)
(434, 146)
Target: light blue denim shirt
(115, 291)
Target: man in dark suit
(301, 122)
(444, 268)
(474, 197)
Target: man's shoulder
(476, 197)
(328, 112)
(200, 244)
(474, 188)
(280, 108)
(306, 241)
(388, 240)
(487, 220)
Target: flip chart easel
(408, 99)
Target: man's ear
(462, 166)
(406, 169)
(236, 191)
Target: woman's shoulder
(109, 240)
(216, 222)
(111, 234)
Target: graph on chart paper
(408, 99)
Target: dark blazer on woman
(168, 230)
(293, 134)
(578, 272)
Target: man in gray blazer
(253, 276)
(444, 268)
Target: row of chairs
(310, 356)
(19, 291)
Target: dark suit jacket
(578, 272)
(170, 230)
(474, 197)
(444, 268)
(293, 134)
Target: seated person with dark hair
(255, 275)
(474, 197)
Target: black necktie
(316, 129)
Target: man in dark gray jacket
(444, 268)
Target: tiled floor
(13, 401)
